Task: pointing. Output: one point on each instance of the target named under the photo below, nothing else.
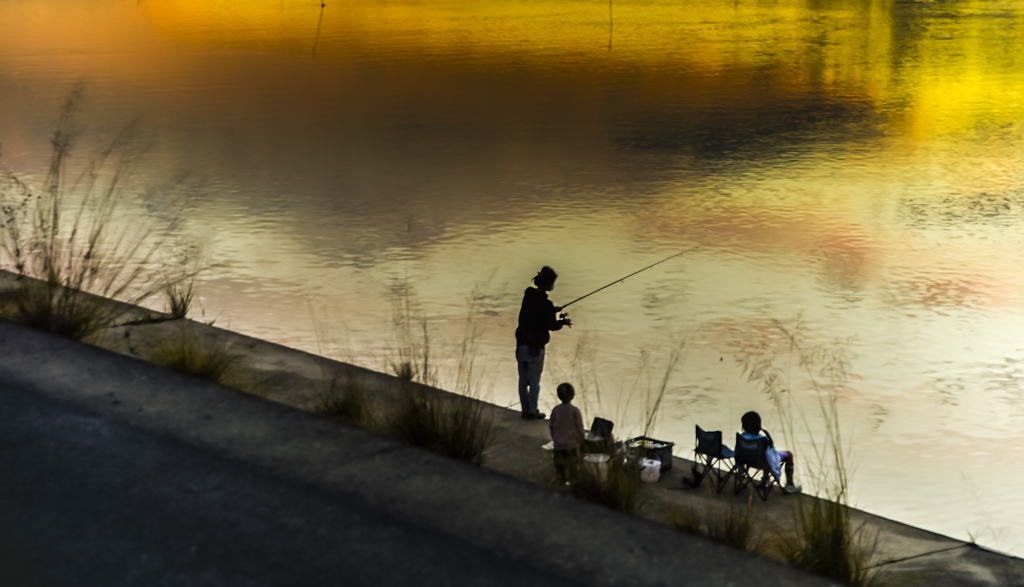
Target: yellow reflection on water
(933, 74)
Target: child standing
(567, 432)
(751, 422)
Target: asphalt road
(90, 501)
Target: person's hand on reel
(564, 316)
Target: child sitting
(567, 432)
(751, 430)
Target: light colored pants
(531, 363)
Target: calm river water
(851, 171)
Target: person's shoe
(537, 415)
(527, 416)
(791, 489)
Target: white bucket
(651, 471)
(599, 462)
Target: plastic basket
(653, 449)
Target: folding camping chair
(751, 458)
(710, 452)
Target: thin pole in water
(630, 275)
(318, 25)
(611, 24)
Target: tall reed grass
(825, 540)
(69, 242)
(641, 395)
(409, 358)
(456, 425)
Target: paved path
(114, 472)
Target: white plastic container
(599, 462)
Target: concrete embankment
(118, 472)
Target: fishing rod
(630, 275)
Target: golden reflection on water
(934, 71)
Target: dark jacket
(536, 318)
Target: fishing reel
(564, 317)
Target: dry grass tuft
(732, 525)
(452, 426)
(344, 400)
(617, 487)
(205, 357)
(826, 543)
(179, 298)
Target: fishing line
(630, 275)
(899, 560)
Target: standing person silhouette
(537, 317)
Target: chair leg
(698, 474)
(741, 479)
(765, 486)
(702, 467)
(722, 479)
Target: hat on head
(546, 275)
